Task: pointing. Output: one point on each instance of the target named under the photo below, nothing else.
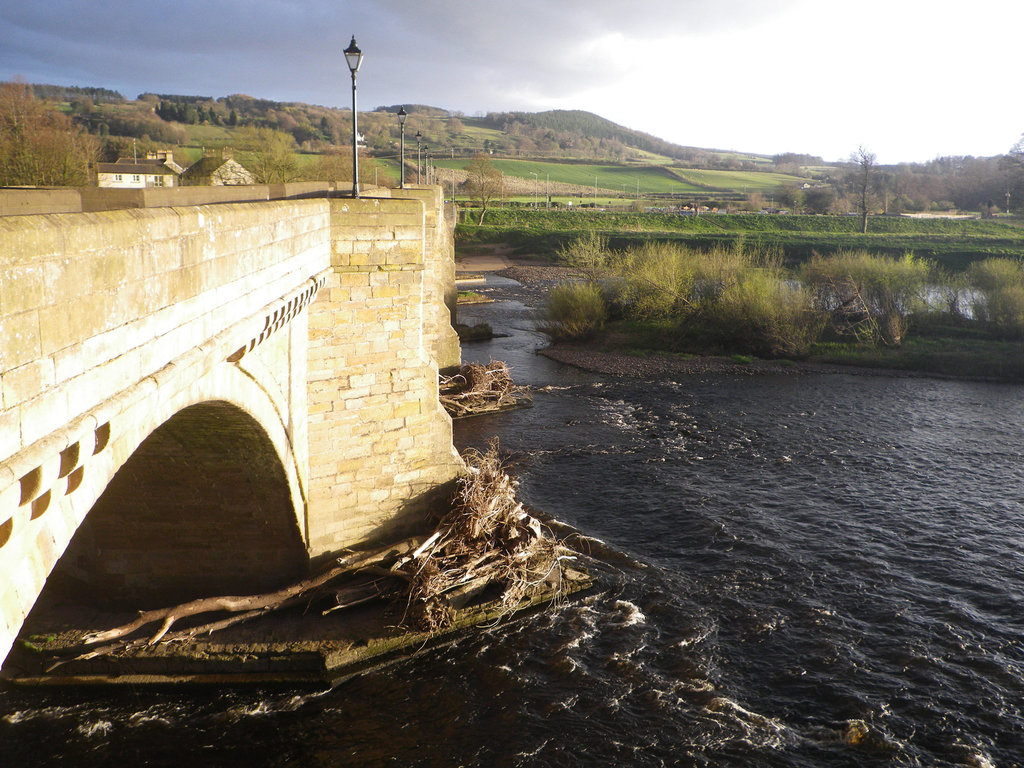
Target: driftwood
(486, 541)
(481, 388)
(250, 606)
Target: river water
(798, 570)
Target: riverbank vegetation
(849, 307)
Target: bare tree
(865, 162)
(484, 182)
(270, 154)
(38, 145)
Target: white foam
(96, 728)
(633, 614)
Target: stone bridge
(215, 398)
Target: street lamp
(419, 138)
(402, 114)
(354, 57)
(535, 182)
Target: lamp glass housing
(353, 56)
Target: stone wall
(22, 202)
(29, 202)
(439, 277)
(380, 443)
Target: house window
(158, 181)
(117, 177)
(135, 177)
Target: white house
(157, 170)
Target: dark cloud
(441, 51)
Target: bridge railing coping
(37, 201)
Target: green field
(743, 182)
(953, 243)
(648, 178)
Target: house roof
(209, 165)
(143, 169)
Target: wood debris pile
(480, 389)
(487, 541)
(486, 548)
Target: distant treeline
(70, 92)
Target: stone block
(22, 287)
(10, 431)
(25, 382)
(21, 337)
(43, 415)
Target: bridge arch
(201, 507)
(224, 409)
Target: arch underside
(202, 507)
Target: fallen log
(252, 604)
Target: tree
(38, 145)
(271, 155)
(865, 162)
(336, 165)
(818, 199)
(790, 195)
(484, 182)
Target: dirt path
(485, 258)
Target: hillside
(568, 131)
(588, 155)
(562, 134)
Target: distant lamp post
(402, 114)
(535, 182)
(419, 138)
(354, 57)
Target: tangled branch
(481, 388)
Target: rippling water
(800, 570)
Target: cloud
(800, 75)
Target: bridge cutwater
(214, 390)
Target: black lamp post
(354, 57)
(402, 114)
(419, 137)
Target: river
(798, 570)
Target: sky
(909, 80)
